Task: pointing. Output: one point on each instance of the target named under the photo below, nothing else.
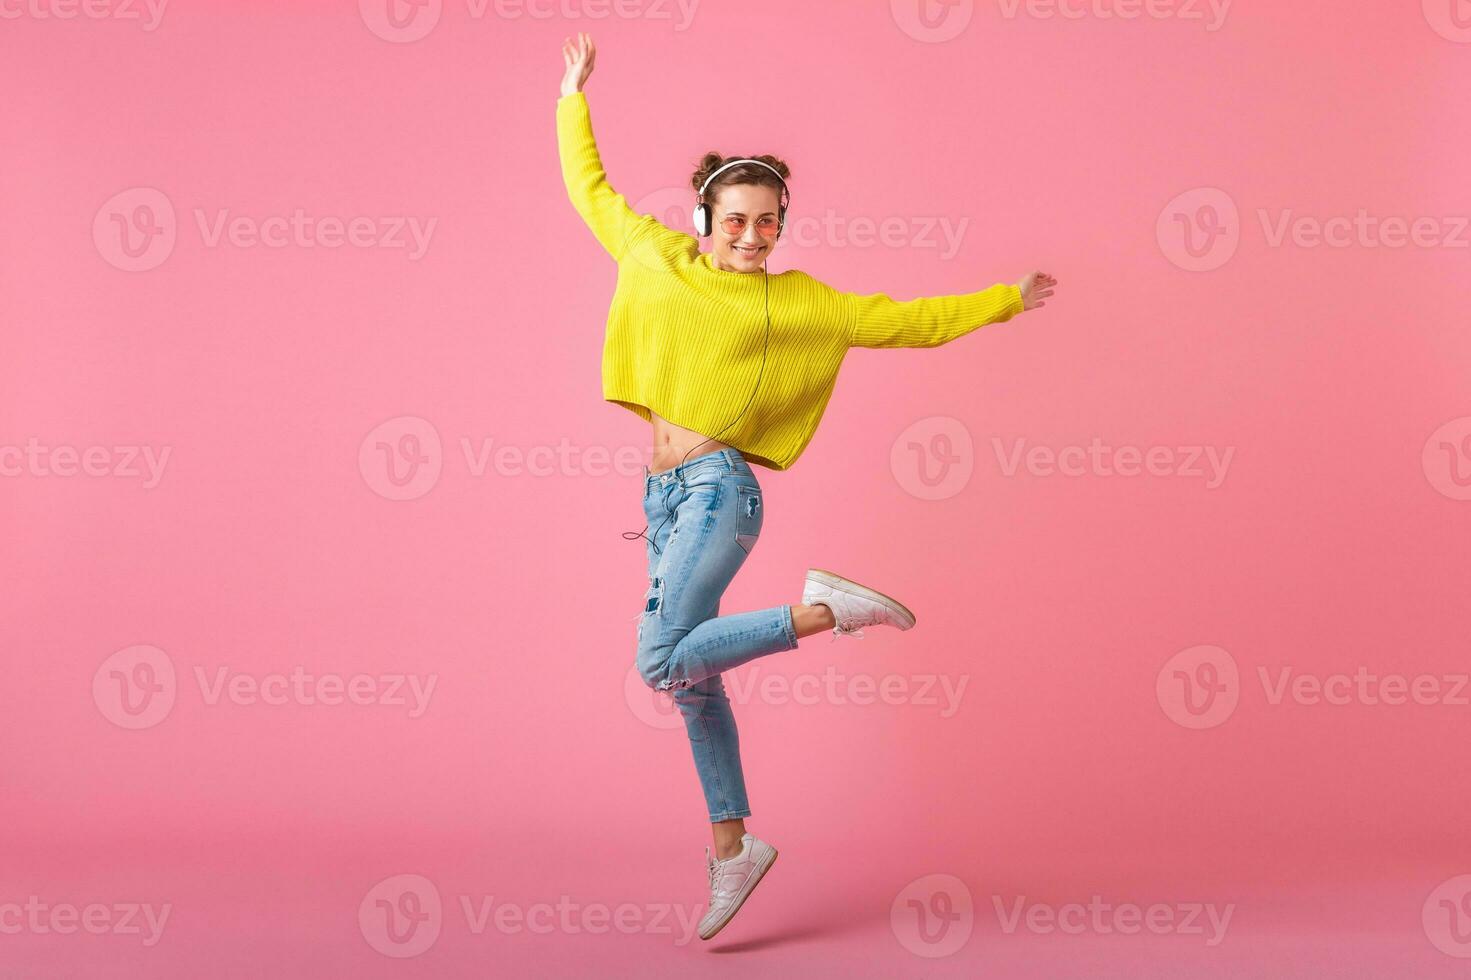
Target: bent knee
(655, 666)
(657, 676)
(652, 660)
(650, 672)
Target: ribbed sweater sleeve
(605, 211)
(876, 320)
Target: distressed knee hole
(656, 595)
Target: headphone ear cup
(702, 219)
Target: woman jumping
(691, 340)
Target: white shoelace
(716, 870)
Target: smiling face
(752, 208)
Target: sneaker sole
(762, 866)
(903, 618)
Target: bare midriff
(671, 442)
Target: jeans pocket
(748, 516)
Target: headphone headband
(726, 166)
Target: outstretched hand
(578, 58)
(1035, 287)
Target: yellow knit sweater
(684, 338)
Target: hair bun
(743, 173)
(709, 163)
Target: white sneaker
(854, 606)
(733, 880)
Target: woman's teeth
(747, 251)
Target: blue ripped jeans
(705, 516)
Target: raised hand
(578, 58)
(1035, 287)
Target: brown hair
(741, 173)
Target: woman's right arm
(605, 211)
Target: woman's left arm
(876, 320)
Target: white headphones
(703, 216)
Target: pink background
(266, 544)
